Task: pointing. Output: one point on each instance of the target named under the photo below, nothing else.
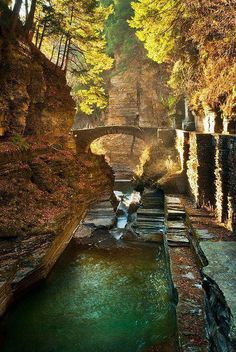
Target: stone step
(176, 238)
(178, 244)
(145, 232)
(175, 214)
(152, 204)
(152, 200)
(179, 225)
(172, 200)
(150, 212)
(177, 232)
(144, 225)
(146, 218)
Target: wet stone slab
(150, 212)
(174, 214)
(204, 234)
(177, 240)
(177, 225)
(154, 219)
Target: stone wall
(209, 162)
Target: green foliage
(20, 142)
(71, 34)
(120, 37)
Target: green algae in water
(97, 301)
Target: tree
(197, 39)
(71, 34)
(30, 16)
(15, 15)
(120, 37)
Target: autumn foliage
(197, 40)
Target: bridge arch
(85, 137)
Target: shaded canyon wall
(34, 96)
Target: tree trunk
(52, 53)
(15, 15)
(42, 35)
(67, 55)
(30, 18)
(37, 36)
(59, 51)
(64, 53)
(26, 10)
(67, 47)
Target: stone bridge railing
(150, 135)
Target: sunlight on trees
(197, 39)
(71, 34)
(120, 37)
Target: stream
(96, 299)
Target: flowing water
(97, 300)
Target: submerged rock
(101, 238)
(129, 234)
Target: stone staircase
(176, 228)
(150, 219)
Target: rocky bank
(45, 188)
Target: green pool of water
(96, 300)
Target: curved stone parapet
(84, 137)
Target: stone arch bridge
(150, 135)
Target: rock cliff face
(141, 89)
(43, 195)
(45, 189)
(34, 96)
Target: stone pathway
(216, 250)
(186, 279)
(150, 219)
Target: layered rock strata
(43, 200)
(34, 96)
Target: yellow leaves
(154, 23)
(90, 98)
(79, 46)
(198, 39)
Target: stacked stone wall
(209, 163)
(206, 170)
(232, 182)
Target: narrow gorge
(118, 176)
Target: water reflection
(97, 300)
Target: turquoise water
(97, 300)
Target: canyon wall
(34, 96)
(139, 88)
(45, 189)
(44, 194)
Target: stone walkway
(216, 250)
(186, 279)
